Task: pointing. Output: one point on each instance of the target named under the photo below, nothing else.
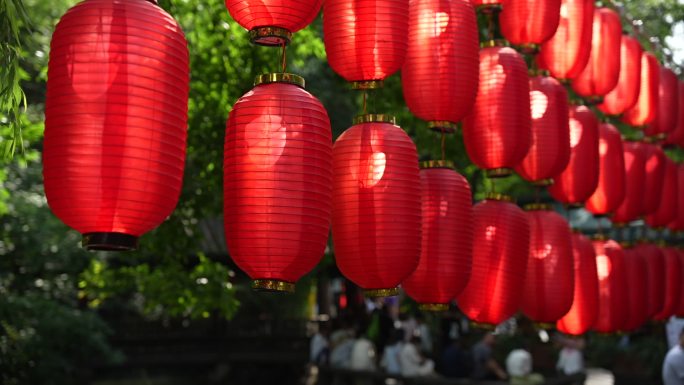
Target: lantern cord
(537, 194)
(493, 180)
(599, 227)
(365, 105)
(443, 145)
(490, 25)
(283, 58)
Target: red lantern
(440, 74)
(276, 181)
(365, 40)
(610, 266)
(644, 111)
(497, 130)
(567, 52)
(529, 22)
(550, 150)
(376, 204)
(272, 22)
(626, 93)
(636, 287)
(115, 120)
(677, 224)
(655, 174)
(669, 205)
(655, 267)
(579, 179)
(584, 310)
(501, 240)
(635, 180)
(611, 187)
(602, 71)
(446, 253)
(677, 135)
(667, 113)
(673, 284)
(549, 281)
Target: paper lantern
(376, 205)
(497, 130)
(626, 93)
(549, 152)
(602, 71)
(677, 223)
(115, 120)
(677, 135)
(272, 22)
(655, 174)
(655, 268)
(636, 287)
(277, 182)
(610, 266)
(366, 40)
(529, 23)
(501, 240)
(580, 177)
(632, 205)
(668, 206)
(440, 74)
(673, 284)
(566, 54)
(667, 113)
(611, 187)
(584, 310)
(446, 253)
(644, 111)
(549, 281)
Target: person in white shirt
(570, 358)
(390, 356)
(362, 354)
(673, 365)
(412, 363)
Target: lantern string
(365, 105)
(443, 144)
(490, 25)
(537, 194)
(283, 59)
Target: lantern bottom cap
(435, 307)
(545, 325)
(367, 84)
(543, 182)
(442, 126)
(573, 206)
(375, 293)
(109, 242)
(270, 36)
(273, 285)
(490, 8)
(593, 100)
(499, 172)
(529, 48)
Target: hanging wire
(283, 58)
(443, 144)
(365, 104)
(490, 25)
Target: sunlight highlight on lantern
(375, 169)
(539, 103)
(576, 131)
(265, 143)
(603, 266)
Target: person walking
(673, 365)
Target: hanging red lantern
(376, 204)
(549, 281)
(446, 253)
(276, 181)
(655, 173)
(501, 240)
(602, 71)
(497, 130)
(550, 150)
(677, 135)
(667, 112)
(644, 111)
(669, 205)
(529, 22)
(115, 120)
(626, 93)
(567, 52)
(610, 266)
(673, 284)
(655, 268)
(272, 22)
(366, 40)
(440, 74)
(584, 310)
(632, 205)
(611, 187)
(579, 179)
(636, 287)
(677, 224)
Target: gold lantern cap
(273, 285)
(538, 207)
(437, 164)
(434, 307)
(378, 293)
(375, 118)
(270, 36)
(280, 77)
(491, 196)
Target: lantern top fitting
(280, 77)
(499, 172)
(367, 84)
(492, 196)
(375, 118)
(489, 8)
(495, 43)
(109, 242)
(538, 207)
(443, 126)
(381, 293)
(272, 285)
(437, 164)
(433, 307)
(270, 36)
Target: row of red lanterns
(284, 179)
